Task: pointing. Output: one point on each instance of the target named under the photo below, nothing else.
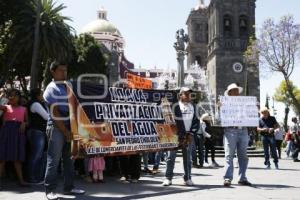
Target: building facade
(219, 34)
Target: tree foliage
(88, 57)
(278, 49)
(282, 95)
(17, 26)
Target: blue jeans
(187, 163)
(145, 157)
(36, 166)
(235, 140)
(289, 147)
(269, 143)
(157, 158)
(57, 148)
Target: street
(267, 184)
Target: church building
(218, 37)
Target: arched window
(198, 60)
(227, 25)
(243, 25)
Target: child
(96, 166)
(12, 134)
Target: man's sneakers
(206, 164)
(245, 183)
(52, 196)
(146, 170)
(227, 183)
(167, 182)
(268, 166)
(74, 191)
(188, 183)
(296, 160)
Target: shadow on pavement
(272, 186)
(155, 191)
(280, 169)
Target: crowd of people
(37, 132)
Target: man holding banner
(235, 137)
(59, 134)
(187, 125)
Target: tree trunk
(287, 110)
(35, 54)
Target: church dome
(101, 25)
(105, 32)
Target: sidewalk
(267, 184)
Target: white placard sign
(240, 111)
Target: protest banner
(239, 111)
(135, 81)
(114, 121)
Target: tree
(282, 95)
(8, 18)
(87, 58)
(278, 47)
(54, 36)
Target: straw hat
(231, 87)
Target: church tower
(198, 35)
(230, 24)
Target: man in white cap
(187, 125)
(267, 126)
(235, 139)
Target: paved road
(268, 184)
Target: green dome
(101, 26)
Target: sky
(149, 27)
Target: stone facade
(219, 34)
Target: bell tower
(197, 24)
(230, 24)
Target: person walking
(278, 133)
(295, 138)
(267, 126)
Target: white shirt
(187, 110)
(279, 133)
(205, 134)
(36, 107)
